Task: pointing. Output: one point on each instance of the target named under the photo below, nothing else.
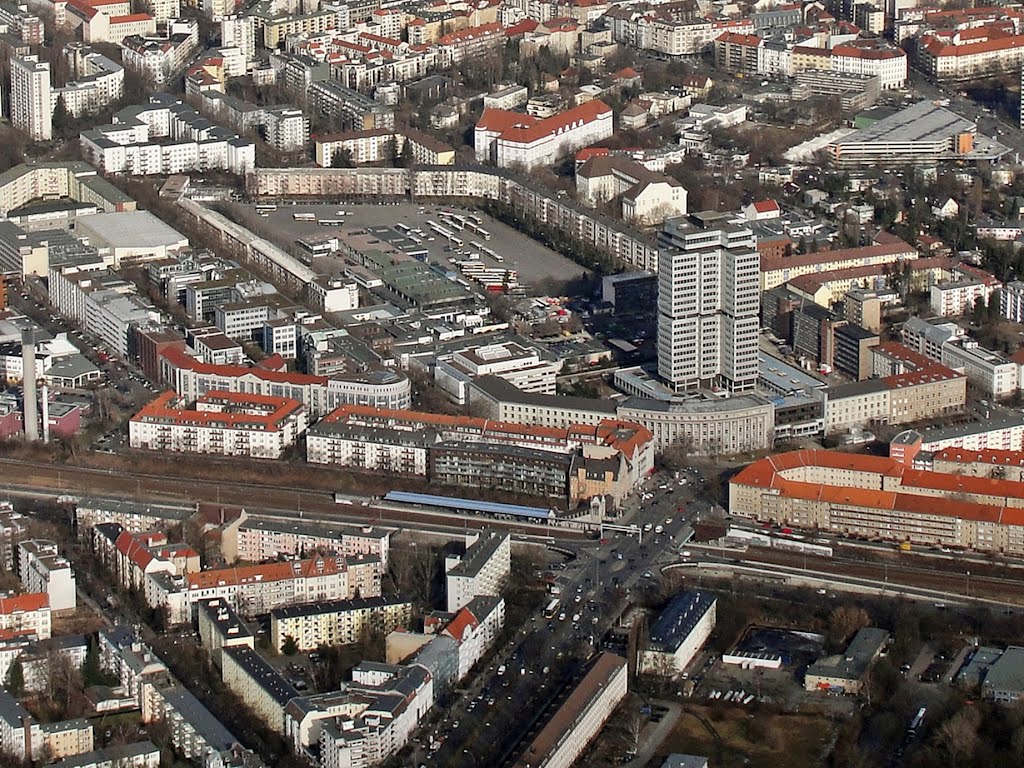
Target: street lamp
(467, 752)
(968, 583)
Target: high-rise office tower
(31, 105)
(708, 304)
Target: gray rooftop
(675, 623)
(859, 654)
(1007, 673)
(479, 554)
(923, 121)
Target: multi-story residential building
(457, 47)
(511, 139)
(989, 371)
(339, 622)
(776, 270)
(27, 613)
(196, 144)
(142, 754)
(482, 570)
(259, 589)
(1011, 301)
(481, 453)
(31, 102)
(98, 81)
(708, 307)
(12, 531)
(22, 736)
(225, 423)
(319, 394)
(287, 128)
(369, 721)
(158, 60)
(260, 687)
(76, 180)
(679, 632)
(881, 498)
(256, 539)
(41, 568)
(928, 338)
(221, 627)
(969, 54)
(928, 392)
(350, 109)
(647, 197)
(131, 516)
(959, 295)
(670, 29)
(570, 730)
(26, 26)
(475, 627)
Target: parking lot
(538, 267)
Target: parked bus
(456, 241)
(916, 722)
(265, 207)
(403, 228)
(304, 216)
(331, 222)
(552, 610)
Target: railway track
(1006, 589)
(307, 504)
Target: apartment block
(42, 569)
(259, 686)
(256, 539)
(31, 102)
(257, 589)
(223, 423)
(509, 139)
(679, 632)
(221, 627)
(29, 612)
(338, 622)
(482, 570)
(991, 372)
(580, 717)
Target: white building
(287, 128)
(510, 139)
(238, 32)
(333, 294)
(1011, 301)
(158, 60)
(708, 305)
(580, 718)
(482, 570)
(957, 298)
(989, 371)
(42, 569)
(223, 423)
(31, 103)
(522, 367)
(679, 632)
(98, 81)
(29, 612)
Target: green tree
(342, 159)
(62, 121)
(289, 647)
(15, 682)
(405, 158)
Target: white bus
(330, 222)
(304, 216)
(265, 207)
(457, 242)
(404, 228)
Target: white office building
(708, 303)
(41, 568)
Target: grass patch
(746, 738)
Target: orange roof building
(225, 423)
(511, 139)
(880, 498)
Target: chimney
(31, 403)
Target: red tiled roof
(772, 263)
(903, 354)
(33, 601)
(179, 359)
(163, 410)
(587, 112)
(987, 456)
(464, 620)
(766, 206)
